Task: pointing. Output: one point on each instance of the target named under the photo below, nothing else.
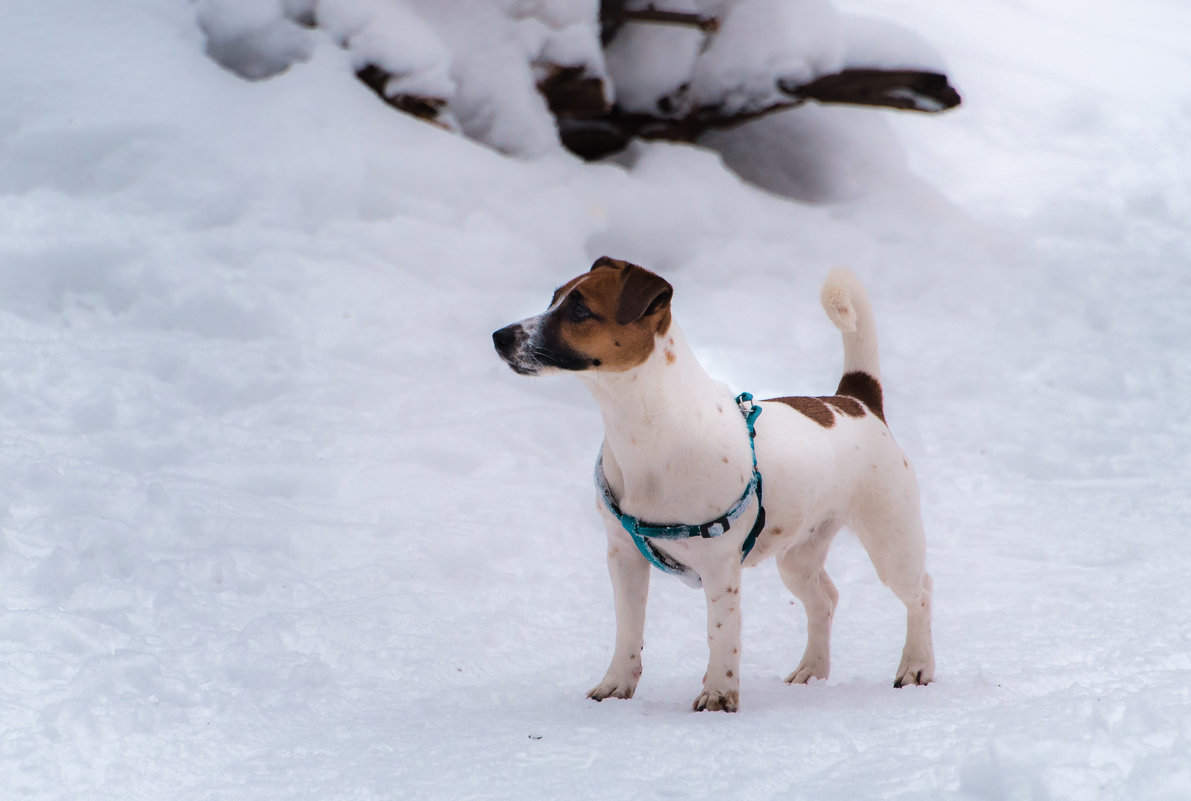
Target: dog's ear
(641, 294)
(608, 261)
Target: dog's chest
(682, 486)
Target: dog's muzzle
(510, 343)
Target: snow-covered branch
(524, 75)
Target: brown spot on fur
(776, 531)
(813, 408)
(730, 674)
(724, 459)
(629, 307)
(670, 357)
(719, 625)
(864, 388)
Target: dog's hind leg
(630, 589)
(801, 569)
(891, 532)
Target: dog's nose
(504, 338)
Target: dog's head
(605, 319)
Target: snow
(393, 37)
(676, 68)
(254, 38)
(276, 523)
(881, 44)
(796, 40)
(649, 63)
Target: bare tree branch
(651, 14)
(613, 15)
(597, 135)
(910, 90)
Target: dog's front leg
(630, 589)
(721, 683)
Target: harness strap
(641, 532)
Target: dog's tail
(847, 304)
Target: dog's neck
(677, 441)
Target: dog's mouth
(522, 369)
(522, 349)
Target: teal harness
(642, 532)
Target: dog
(678, 451)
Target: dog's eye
(579, 311)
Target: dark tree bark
(573, 93)
(376, 79)
(909, 90)
(592, 135)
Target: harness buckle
(750, 411)
(715, 528)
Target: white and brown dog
(677, 451)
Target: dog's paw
(611, 687)
(804, 674)
(717, 701)
(914, 673)
(811, 667)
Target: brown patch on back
(842, 403)
(822, 409)
(864, 388)
(813, 408)
(629, 305)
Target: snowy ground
(276, 524)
